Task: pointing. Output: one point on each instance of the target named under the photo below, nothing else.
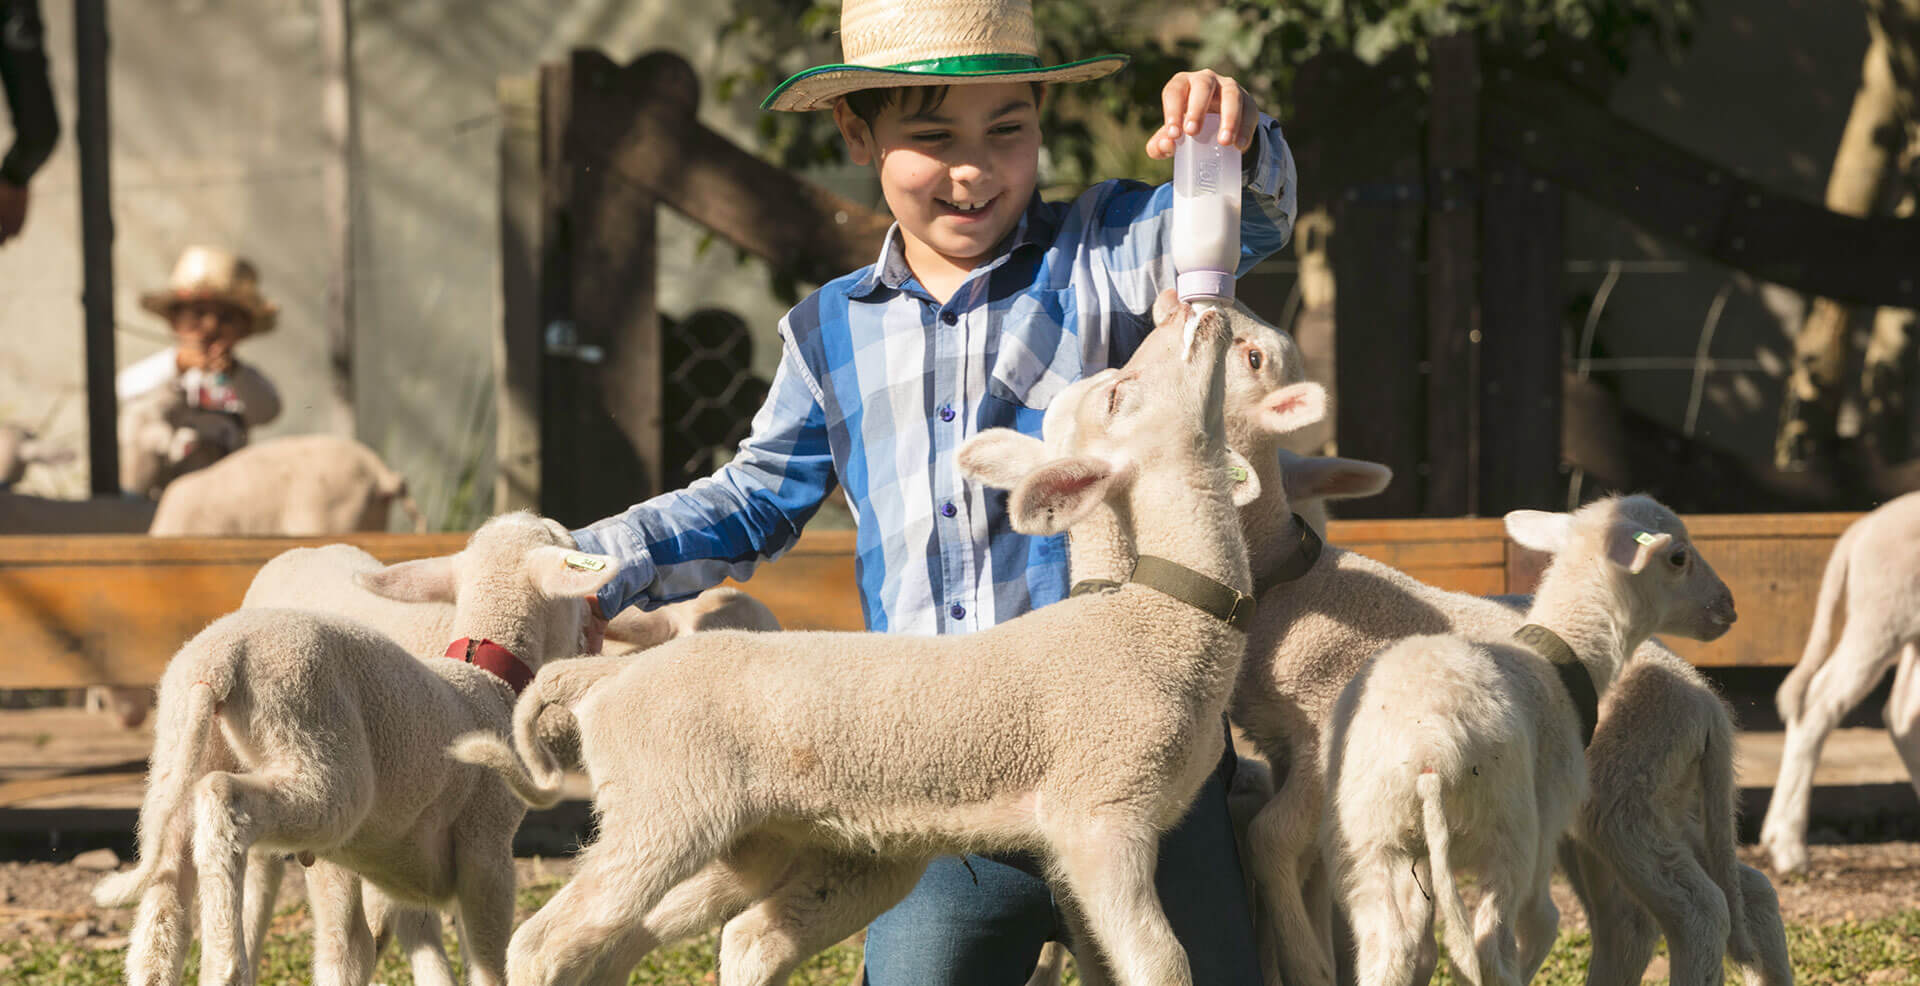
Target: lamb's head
(1262, 361)
(1644, 550)
(1159, 419)
(519, 582)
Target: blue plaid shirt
(879, 384)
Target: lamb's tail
(1718, 814)
(529, 766)
(1453, 910)
(1829, 616)
(175, 767)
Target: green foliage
(1260, 43)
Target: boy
(984, 303)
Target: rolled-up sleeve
(750, 510)
(1269, 198)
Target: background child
(984, 303)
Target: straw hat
(205, 273)
(890, 43)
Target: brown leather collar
(1574, 676)
(494, 659)
(1203, 592)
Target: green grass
(1878, 953)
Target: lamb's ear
(428, 580)
(1164, 305)
(1293, 407)
(562, 573)
(1328, 477)
(1246, 482)
(1051, 498)
(1634, 548)
(1540, 530)
(1001, 457)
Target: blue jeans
(984, 921)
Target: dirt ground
(1844, 882)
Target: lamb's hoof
(1787, 858)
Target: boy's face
(957, 176)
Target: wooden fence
(112, 609)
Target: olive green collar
(1574, 676)
(1299, 561)
(1203, 592)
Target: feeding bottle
(1206, 215)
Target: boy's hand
(1189, 97)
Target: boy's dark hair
(867, 103)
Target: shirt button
(947, 510)
(946, 412)
(959, 612)
(949, 317)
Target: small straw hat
(205, 273)
(892, 43)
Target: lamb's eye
(1254, 358)
(1678, 559)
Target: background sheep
(1866, 619)
(333, 725)
(303, 485)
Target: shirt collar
(890, 270)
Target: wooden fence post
(1453, 280)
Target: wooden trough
(111, 609)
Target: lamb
(303, 485)
(324, 579)
(20, 448)
(162, 438)
(1866, 618)
(719, 736)
(328, 723)
(1469, 755)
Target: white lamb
(301, 485)
(1468, 756)
(308, 733)
(892, 750)
(19, 448)
(325, 579)
(1866, 620)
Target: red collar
(493, 658)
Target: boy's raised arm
(750, 510)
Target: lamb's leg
(1867, 647)
(1690, 908)
(233, 811)
(483, 885)
(823, 901)
(1768, 966)
(162, 929)
(342, 942)
(719, 891)
(1281, 837)
(1109, 869)
(1623, 932)
(1389, 911)
(620, 879)
(1903, 712)
(416, 929)
(264, 873)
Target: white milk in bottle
(1206, 219)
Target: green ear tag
(1238, 473)
(585, 563)
(1644, 538)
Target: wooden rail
(96, 609)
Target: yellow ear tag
(1238, 473)
(585, 563)
(1644, 538)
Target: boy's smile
(956, 176)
